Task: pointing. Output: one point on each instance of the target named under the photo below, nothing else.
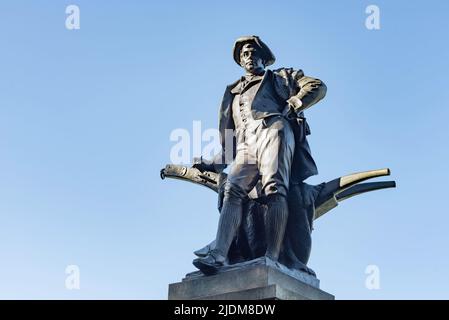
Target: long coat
(278, 89)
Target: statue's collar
(237, 86)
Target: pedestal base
(254, 282)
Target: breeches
(265, 154)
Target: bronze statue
(266, 209)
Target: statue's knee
(234, 193)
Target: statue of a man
(264, 110)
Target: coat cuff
(296, 103)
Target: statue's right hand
(220, 198)
(203, 165)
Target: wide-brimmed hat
(267, 55)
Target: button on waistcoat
(244, 122)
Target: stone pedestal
(261, 281)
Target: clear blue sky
(86, 115)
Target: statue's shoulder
(233, 84)
(288, 73)
(285, 81)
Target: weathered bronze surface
(265, 207)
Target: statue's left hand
(291, 113)
(295, 105)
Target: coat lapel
(264, 80)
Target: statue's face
(251, 59)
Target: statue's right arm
(217, 164)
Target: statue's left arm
(311, 91)
(304, 91)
